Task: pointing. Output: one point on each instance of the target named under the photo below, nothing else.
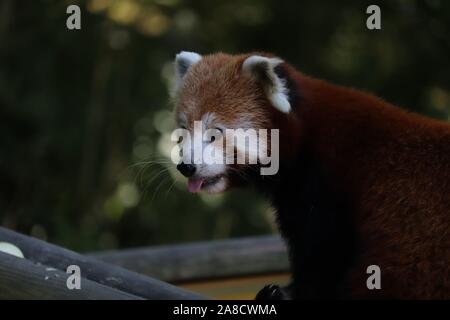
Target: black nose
(186, 170)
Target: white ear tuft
(262, 69)
(253, 62)
(183, 61)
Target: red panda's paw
(272, 292)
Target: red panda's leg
(316, 221)
(275, 292)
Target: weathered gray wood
(203, 260)
(23, 279)
(38, 251)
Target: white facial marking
(208, 119)
(182, 120)
(216, 187)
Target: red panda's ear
(262, 69)
(183, 61)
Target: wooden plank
(38, 251)
(23, 279)
(242, 288)
(204, 260)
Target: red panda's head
(219, 92)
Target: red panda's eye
(218, 132)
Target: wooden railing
(204, 260)
(132, 273)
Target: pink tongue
(194, 185)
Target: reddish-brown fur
(392, 165)
(396, 167)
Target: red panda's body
(361, 182)
(389, 171)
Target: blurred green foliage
(80, 111)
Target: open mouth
(196, 185)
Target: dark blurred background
(85, 117)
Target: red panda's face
(222, 102)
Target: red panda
(361, 182)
